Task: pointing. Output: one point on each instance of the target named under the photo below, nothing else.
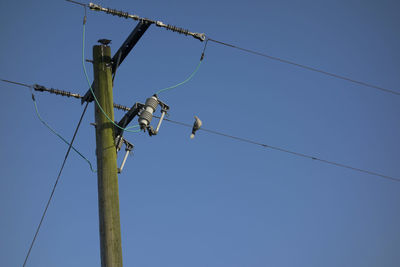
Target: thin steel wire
(78, 3)
(17, 83)
(55, 185)
(308, 68)
(289, 151)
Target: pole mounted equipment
(147, 114)
(128, 148)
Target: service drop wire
(191, 75)
(94, 96)
(57, 134)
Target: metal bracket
(128, 117)
(128, 148)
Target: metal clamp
(128, 148)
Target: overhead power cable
(55, 185)
(288, 151)
(125, 108)
(17, 83)
(306, 67)
(203, 37)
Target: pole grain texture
(109, 218)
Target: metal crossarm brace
(127, 118)
(122, 52)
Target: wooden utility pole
(110, 229)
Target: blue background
(211, 201)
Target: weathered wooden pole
(110, 229)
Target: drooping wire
(181, 83)
(288, 151)
(91, 89)
(59, 135)
(307, 67)
(47, 125)
(191, 75)
(55, 185)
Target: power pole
(110, 229)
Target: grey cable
(55, 185)
(288, 151)
(308, 68)
(17, 83)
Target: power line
(288, 151)
(203, 37)
(55, 185)
(124, 108)
(126, 15)
(306, 67)
(17, 83)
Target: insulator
(147, 114)
(118, 13)
(177, 29)
(121, 107)
(41, 88)
(199, 36)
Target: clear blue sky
(211, 201)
